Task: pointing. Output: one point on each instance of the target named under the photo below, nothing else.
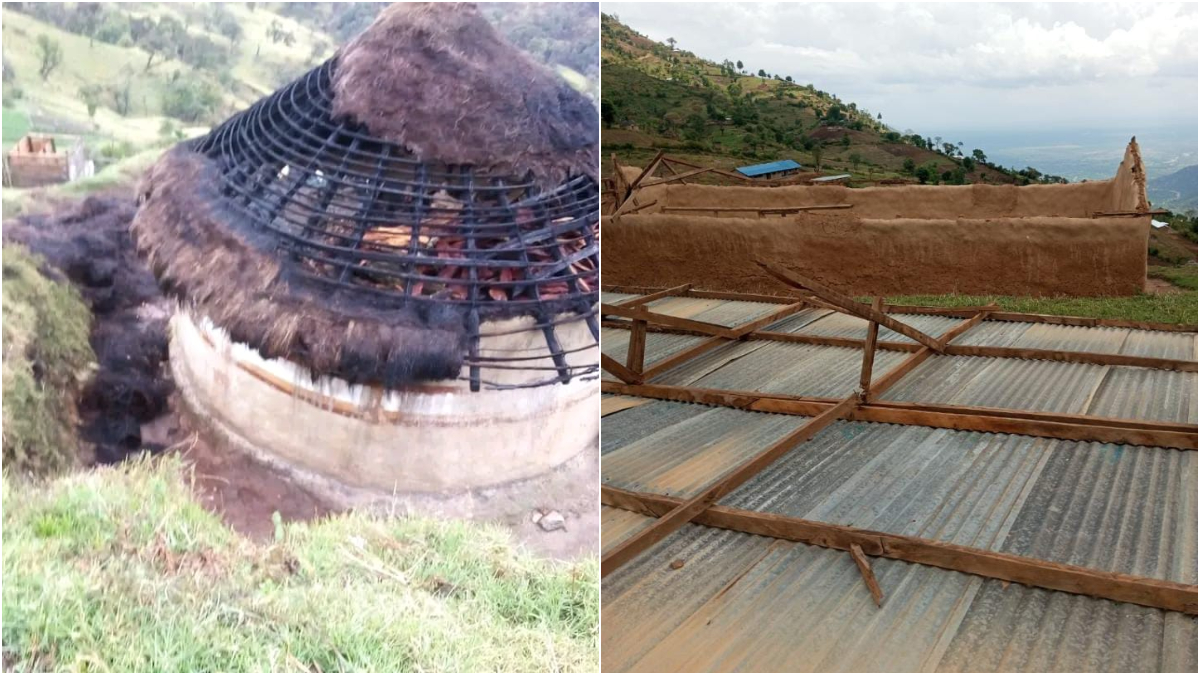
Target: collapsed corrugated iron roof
(709, 597)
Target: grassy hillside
(1175, 191)
(656, 96)
(120, 570)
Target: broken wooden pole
(864, 566)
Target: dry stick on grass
(1157, 593)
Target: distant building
(36, 161)
(776, 169)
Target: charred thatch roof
(438, 79)
(370, 240)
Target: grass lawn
(1165, 308)
(120, 570)
(1183, 277)
(16, 125)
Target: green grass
(16, 125)
(119, 569)
(46, 355)
(1179, 308)
(1183, 277)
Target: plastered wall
(1010, 256)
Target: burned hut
(387, 269)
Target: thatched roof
(439, 80)
(203, 254)
(375, 254)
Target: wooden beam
(681, 357)
(676, 177)
(848, 304)
(864, 567)
(639, 207)
(635, 357)
(645, 172)
(964, 312)
(962, 418)
(1118, 214)
(1095, 358)
(667, 320)
(784, 210)
(1157, 593)
(729, 481)
(658, 295)
(613, 366)
(864, 380)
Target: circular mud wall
(363, 445)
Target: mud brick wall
(1038, 256)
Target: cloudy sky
(941, 68)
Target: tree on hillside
(49, 55)
(740, 66)
(855, 160)
(91, 95)
(968, 164)
(671, 42)
(762, 73)
(607, 114)
(909, 165)
(817, 151)
(121, 93)
(979, 156)
(845, 140)
(834, 114)
(89, 14)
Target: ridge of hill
(657, 96)
(1175, 191)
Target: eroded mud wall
(1127, 190)
(1076, 200)
(1010, 256)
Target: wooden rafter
(1096, 358)
(963, 312)
(849, 304)
(1061, 426)
(1168, 595)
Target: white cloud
(944, 64)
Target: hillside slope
(1175, 191)
(656, 96)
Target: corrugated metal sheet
(615, 343)
(1157, 344)
(787, 368)
(802, 608)
(628, 426)
(617, 525)
(610, 298)
(956, 486)
(723, 312)
(836, 324)
(683, 458)
(741, 602)
(1146, 394)
(1044, 386)
(769, 167)
(1014, 628)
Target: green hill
(656, 96)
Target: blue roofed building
(776, 169)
